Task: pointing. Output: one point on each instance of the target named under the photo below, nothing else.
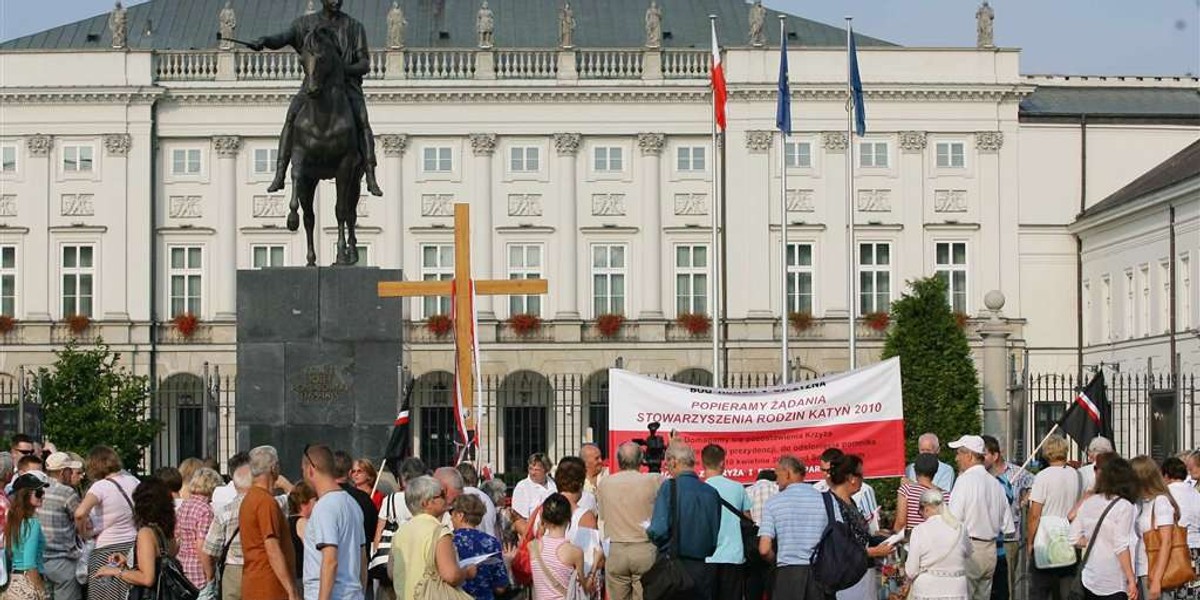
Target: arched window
(525, 398)
(595, 404)
(694, 376)
(432, 409)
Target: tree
(90, 399)
(939, 381)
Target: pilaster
(225, 254)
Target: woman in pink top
(557, 564)
(108, 507)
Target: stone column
(994, 371)
(394, 145)
(225, 253)
(38, 303)
(118, 265)
(651, 145)
(483, 146)
(755, 181)
(567, 147)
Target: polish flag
(718, 80)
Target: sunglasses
(307, 456)
(39, 493)
(25, 452)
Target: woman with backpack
(154, 515)
(845, 480)
(937, 552)
(1102, 527)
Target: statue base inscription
(318, 356)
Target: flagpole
(784, 362)
(852, 334)
(714, 267)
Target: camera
(654, 449)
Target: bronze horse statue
(326, 145)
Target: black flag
(399, 446)
(1090, 415)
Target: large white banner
(859, 411)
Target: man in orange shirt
(266, 540)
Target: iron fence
(1152, 414)
(20, 404)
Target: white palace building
(135, 167)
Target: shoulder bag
(522, 568)
(432, 586)
(667, 577)
(749, 531)
(170, 583)
(1051, 543)
(220, 560)
(1180, 571)
(1077, 591)
(378, 568)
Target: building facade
(135, 164)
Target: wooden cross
(464, 344)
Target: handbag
(170, 583)
(522, 568)
(667, 576)
(432, 586)
(378, 567)
(749, 532)
(1077, 591)
(1052, 546)
(1179, 561)
(572, 591)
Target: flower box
(7, 324)
(439, 325)
(609, 324)
(186, 324)
(79, 323)
(801, 321)
(694, 323)
(878, 321)
(525, 324)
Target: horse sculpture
(325, 145)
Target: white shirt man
(978, 500)
(1098, 445)
(928, 443)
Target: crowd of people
(77, 527)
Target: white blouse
(1102, 574)
(942, 551)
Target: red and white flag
(718, 80)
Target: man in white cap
(57, 515)
(978, 500)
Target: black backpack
(838, 561)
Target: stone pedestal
(318, 357)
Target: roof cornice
(81, 95)
(1167, 195)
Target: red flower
(695, 323)
(801, 320)
(439, 325)
(186, 323)
(525, 323)
(609, 324)
(79, 323)
(7, 324)
(961, 319)
(877, 320)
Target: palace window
(1144, 313)
(873, 154)
(1183, 311)
(951, 155)
(525, 262)
(874, 277)
(77, 158)
(800, 278)
(951, 265)
(185, 161)
(186, 278)
(524, 159)
(78, 277)
(8, 158)
(689, 158)
(1164, 298)
(1130, 308)
(608, 279)
(268, 255)
(1087, 313)
(8, 281)
(691, 279)
(437, 263)
(1106, 323)
(264, 160)
(608, 159)
(797, 155)
(437, 159)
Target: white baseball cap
(61, 460)
(973, 443)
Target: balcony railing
(445, 64)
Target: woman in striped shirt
(908, 501)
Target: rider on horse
(352, 40)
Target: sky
(1075, 37)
